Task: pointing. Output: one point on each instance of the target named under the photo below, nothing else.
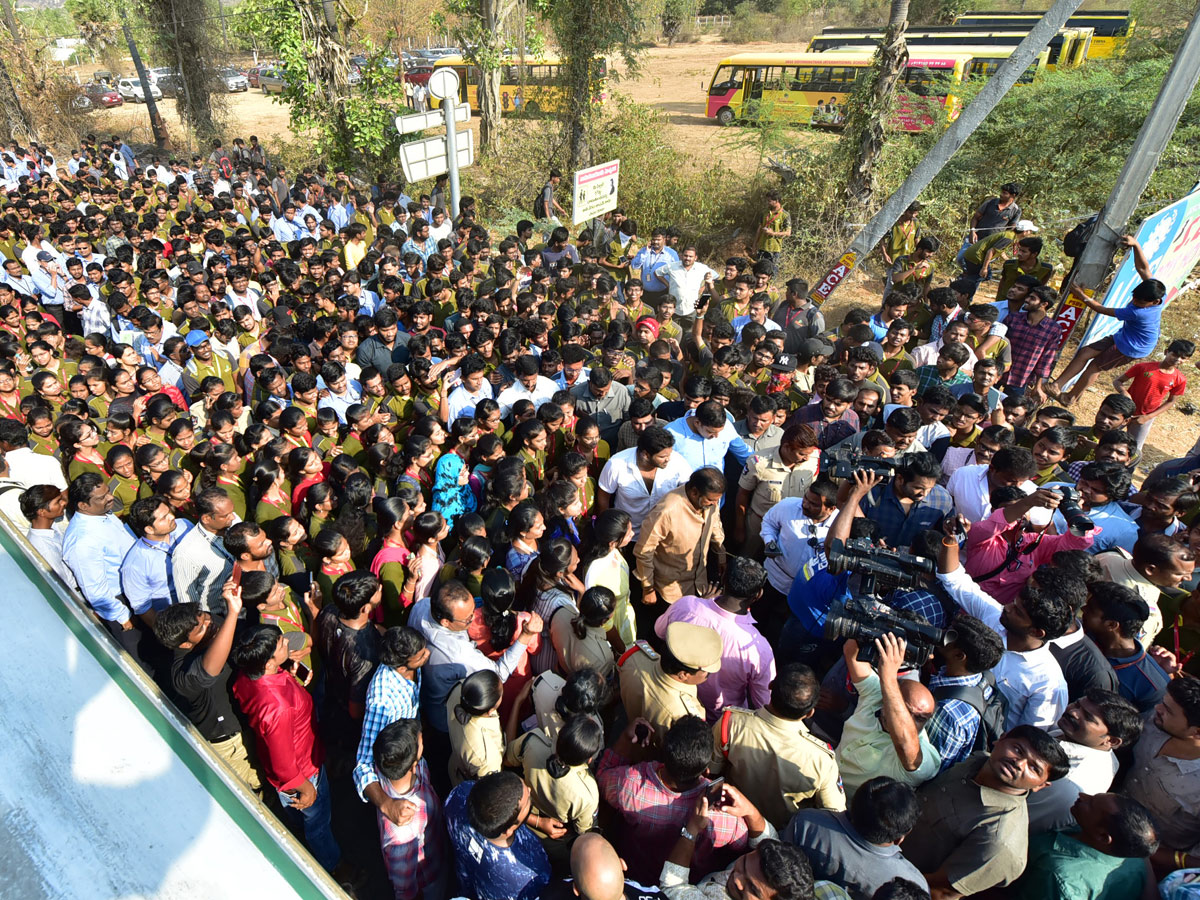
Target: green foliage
(1066, 137)
(658, 184)
(364, 137)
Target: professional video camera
(844, 463)
(863, 617)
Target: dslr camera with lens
(1077, 520)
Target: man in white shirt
(1089, 731)
(798, 526)
(634, 480)
(972, 486)
(344, 392)
(530, 385)
(24, 466)
(1028, 674)
(474, 387)
(685, 279)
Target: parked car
(232, 80)
(102, 95)
(131, 89)
(271, 80)
(253, 73)
(158, 72)
(170, 83)
(418, 74)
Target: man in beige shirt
(772, 757)
(672, 551)
(770, 476)
(1157, 562)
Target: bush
(658, 186)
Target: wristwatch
(684, 833)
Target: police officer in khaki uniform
(770, 754)
(661, 688)
(564, 796)
(473, 719)
(785, 471)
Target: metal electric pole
(947, 145)
(1156, 131)
(156, 121)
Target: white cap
(1026, 225)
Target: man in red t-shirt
(1154, 387)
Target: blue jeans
(318, 834)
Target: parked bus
(1112, 27)
(1070, 45)
(542, 92)
(984, 60)
(812, 88)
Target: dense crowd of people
(520, 550)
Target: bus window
(510, 75)
(844, 75)
(472, 75)
(804, 77)
(920, 80)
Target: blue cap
(196, 337)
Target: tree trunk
(489, 108)
(14, 122)
(328, 65)
(890, 60)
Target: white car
(131, 89)
(233, 80)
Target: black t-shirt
(992, 218)
(1084, 667)
(350, 657)
(205, 700)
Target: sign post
(431, 157)
(595, 191)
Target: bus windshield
(728, 78)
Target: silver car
(271, 80)
(131, 89)
(233, 80)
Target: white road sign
(421, 160)
(432, 119)
(595, 191)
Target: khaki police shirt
(476, 748)
(573, 799)
(777, 763)
(649, 692)
(769, 480)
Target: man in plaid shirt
(393, 694)
(655, 799)
(415, 848)
(94, 314)
(1034, 338)
(947, 371)
(955, 722)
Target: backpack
(1078, 236)
(539, 206)
(225, 164)
(992, 708)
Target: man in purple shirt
(832, 418)
(747, 661)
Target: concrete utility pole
(947, 145)
(157, 125)
(1143, 159)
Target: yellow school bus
(1068, 48)
(812, 88)
(984, 60)
(1112, 27)
(543, 90)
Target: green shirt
(997, 242)
(1060, 866)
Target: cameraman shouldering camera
(886, 734)
(912, 503)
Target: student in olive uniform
(560, 783)
(770, 754)
(473, 717)
(661, 688)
